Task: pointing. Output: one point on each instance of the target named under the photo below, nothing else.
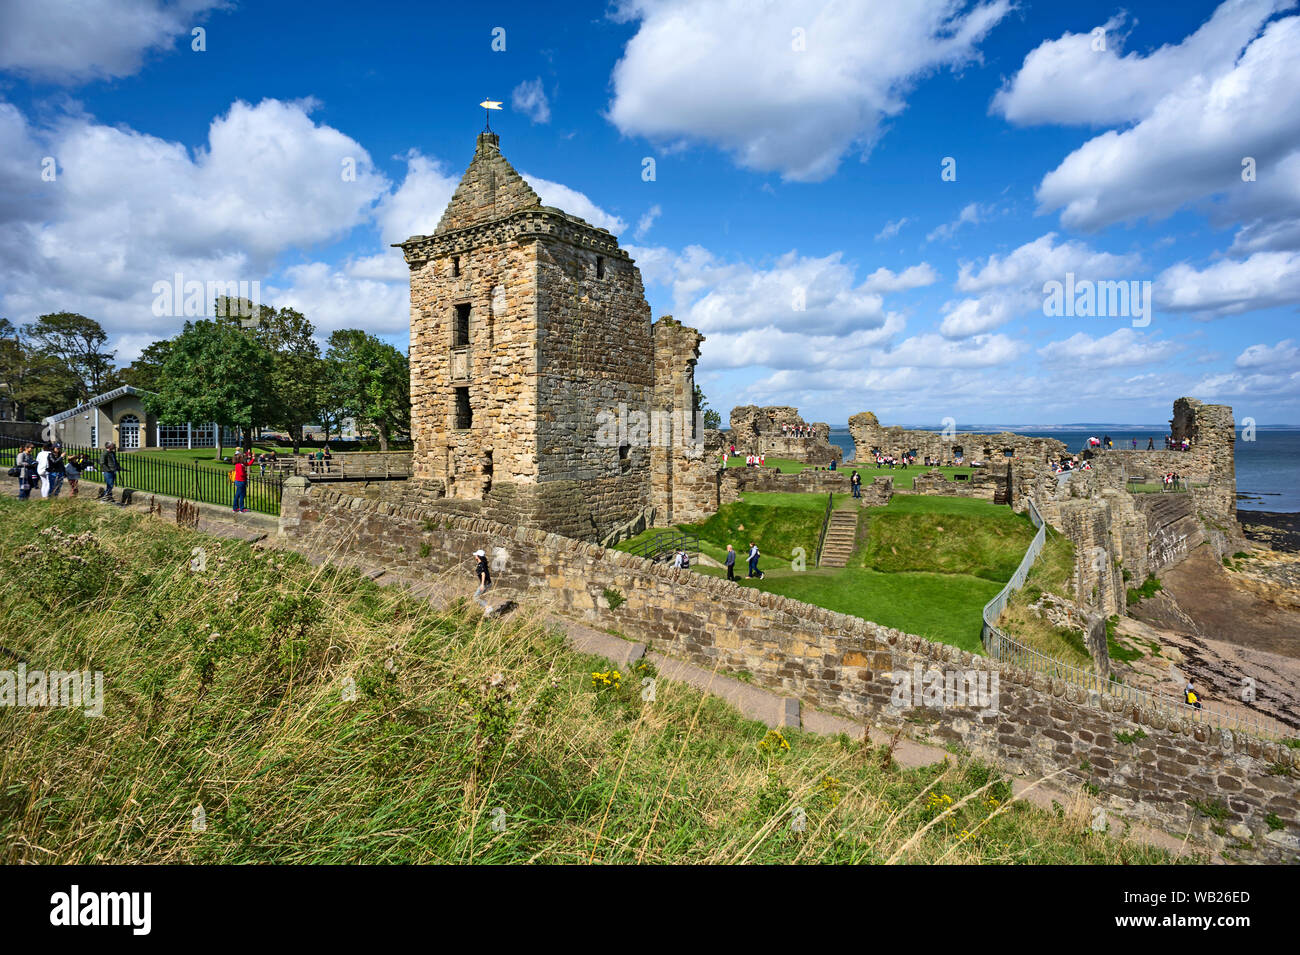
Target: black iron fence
(141, 472)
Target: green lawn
(785, 465)
(952, 535)
(925, 564)
(202, 457)
(904, 478)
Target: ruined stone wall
(842, 664)
(982, 484)
(757, 430)
(684, 459)
(1115, 531)
(868, 433)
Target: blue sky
(797, 214)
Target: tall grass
(230, 689)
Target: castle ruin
(541, 392)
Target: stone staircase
(840, 535)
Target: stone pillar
(295, 489)
(683, 477)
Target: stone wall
(684, 460)
(839, 663)
(758, 430)
(869, 434)
(737, 481)
(983, 483)
(1115, 531)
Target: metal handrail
(826, 523)
(1004, 649)
(664, 543)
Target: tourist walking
(109, 466)
(730, 562)
(753, 560)
(855, 482)
(241, 482)
(1151, 444)
(1190, 697)
(484, 575)
(55, 469)
(43, 468)
(25, 465)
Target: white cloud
(1285, 355)
(332, 299)
(572, 201)
(1011, 285)
(787, 86)
(971, 214)
(796, 293)
(1190, 148)
(415, 207)
(646, 221)
(129, 209)
(1124, 346)
(1230, 287)
(892, 228)
(530, 99)
(914, 276)
(73, 41)
(1069, 81)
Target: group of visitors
(902, 460)
(755, 460)
(797, 430)
(267, 459)
(730, 562)
(1170, 480)
(49, 469)
(320, 461)
(1069, 464)
(1106, 442)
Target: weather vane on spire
(488, 105)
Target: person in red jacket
(241, 481)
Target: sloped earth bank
(1213, 628)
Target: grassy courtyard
(923, 564)
(904, 478)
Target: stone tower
(529, 329)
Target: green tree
(375, 380)
(333, 400)
(712, 419)
(79, 342)
(35, 382)
(214, 372)
(144, 372)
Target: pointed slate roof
(490, 189)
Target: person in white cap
(484, 574)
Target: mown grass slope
(230, 688)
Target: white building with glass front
(119, 416)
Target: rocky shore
(1279, 530)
